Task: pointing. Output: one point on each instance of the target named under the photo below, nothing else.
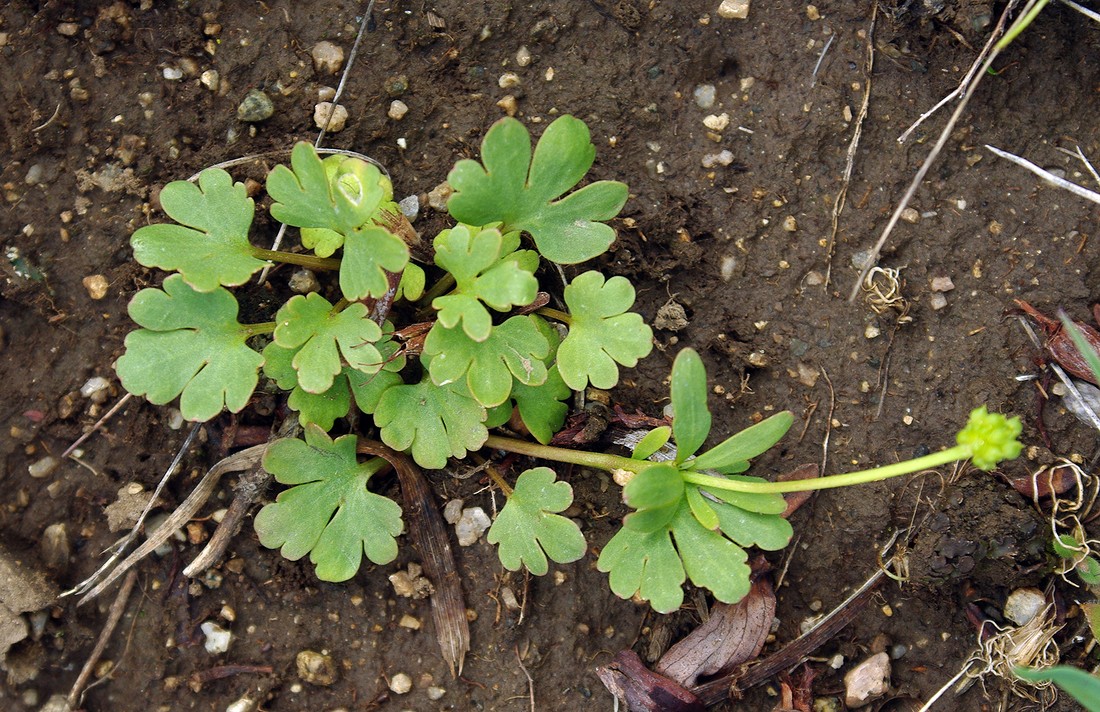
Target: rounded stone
(256, 106)
(327, 57)
(321, 117)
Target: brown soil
(105, 129)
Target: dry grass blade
(114, 615)
(187, 509)
(429, 535)
(1048, 176)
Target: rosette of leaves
(680, 530)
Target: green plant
(1080, 685)
(439, 356)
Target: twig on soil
(1095, 16)
(828, 44)
(828, 422)
(530, 680)
(99, 424)
(187, 509)
(50, 120)
(872, 258)
(114, 615)
(129, 538)
(1048, 176)
(853, 145)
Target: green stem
(604, 461)
(556, 315)
(445, 283)
(1020, 25)
(293, 258)
(265, 327)
(598, 460)
(877, 474)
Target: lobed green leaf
(191, 346)
(307, 323)
(370, 252)
(339, 196)
(515, 348)
(329, 513)
(435, 422)
(209, 246)
(523, 192)
(529, 528)
(541, 407)
(602, 333)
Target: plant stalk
(265, 327)
(556, 315)
(604, 461)
(319, 263)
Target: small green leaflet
(738, 449)
(523, 192)
(647, 564)
(514, 348)
(329, 513)
(209, 246)
(369, 253)
(436, 422)
(601, 333)
(191, 344)
(656, 495)
(322, 409)
(306, 196)
(653, 441)
(690, 416)
(541, 407)
(477, 261)
(529, 529)
(307, 323)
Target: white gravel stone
(723, 158)
(328, 58)
(937, 301)
(508, 80)
(401, 683)
(942, 284)
(321, 116)
(217, 638)
(734, 9)
(173, 74)
(523, 57)
(705, 95)
(717, 122)
(867, 681)
(44, 467)
(471, 525)
(96, 389)
(1024, 604)
(397, 110)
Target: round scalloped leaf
(191, 345)
(307, 323)
(602, 334)
(209, 246)
(524, 192)
(529, 528)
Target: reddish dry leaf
(1040, 485)
(732, 635)
(1059, 344)
(642, 690)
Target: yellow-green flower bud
(991, 438)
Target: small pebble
(812, 13)
(942, 284)
(734, 9)
(96, 284)
(871, 332)
(397, 110)
(256, 106)
(410, 622)
(723, 158)
(172, 74)
(211, 79)
(409, 207)
(327, 57)
(937, 301)
(44, 467)
(705, 95)
(471, 525)
(96, 389)
(303, 281)
(717, 122)
(670, 317)
(436, 693)
(175, 418)
(401, 683)
(452, 511)
(814, 279)
(523, 57)
(243, 704)
(55, 547)
(34, 174)
(68, 29)
(790, 224)
(1024, 604)
(326, 93)
(508, 104)
(867, 681)
(862, 258)
(508, 80)
(217, 638)
(910, 215)
(315, 668)
(396, 86)
(438, 196)
(321, 117)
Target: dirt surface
(92, 128)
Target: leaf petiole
(556, 315)
(265, 327)
(293, 258)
